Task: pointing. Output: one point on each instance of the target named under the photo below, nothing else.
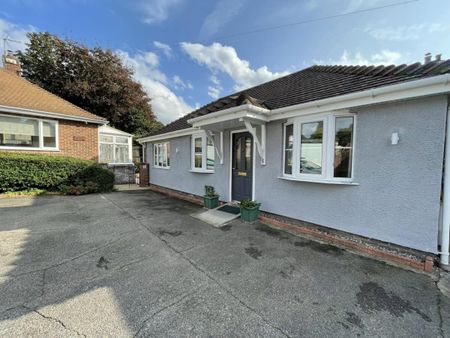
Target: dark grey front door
(242, 167)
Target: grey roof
(316, 83)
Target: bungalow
(349, 150)
(33, 120)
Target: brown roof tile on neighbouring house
(317, 83)
(16, 92)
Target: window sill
(320, 181)
(28, 148)
(197, 171)
(165, 168)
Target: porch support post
(219, 150)
(260, 146)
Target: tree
(91, 78)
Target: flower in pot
(211, 198)
(249, 210)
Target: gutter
(172, 134)
(39, 113)
(445, 235)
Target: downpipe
(445, 235)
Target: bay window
(28, 133)
(161, 155)
(319, 148)
(202, 153)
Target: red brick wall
(76, 139)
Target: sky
(187, 53)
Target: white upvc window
(202, 153)
(17, 132)
(161, 155)
(114, 149)
(319, 148)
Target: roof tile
(17, 92)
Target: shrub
(91, 179)
(54, 173)
(249, 204)
(25, 171)
(210, 191)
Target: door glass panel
(237, 153)
(343, 144)
(248, 153)
(288, 146)
(311, 148)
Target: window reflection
(311, 148)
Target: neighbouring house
(33, 120)
(350, 150)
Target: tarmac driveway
(136, 264)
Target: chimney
(427, 58)
(11, 63)
(438, 57)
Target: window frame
(114, 144)
(328, 148)
(40, 132)
(204, 153)
(156, 154)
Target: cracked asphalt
(135, 264)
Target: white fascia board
(32, 112)
(165, 136)
(407, 90)
(230, 111)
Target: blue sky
(187, 53)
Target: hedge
(54, 173)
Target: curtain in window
(121, 153)
(106, 153)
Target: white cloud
(166, 49)
(179, 84)
(165, 103)
(384, 57)
(155, 11)
(223, 12)
(219, 58)
(14, 32)
(405, 33)
(215, 89)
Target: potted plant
(249, 210)
(211, 198)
